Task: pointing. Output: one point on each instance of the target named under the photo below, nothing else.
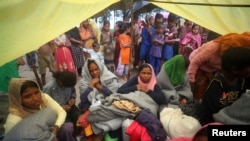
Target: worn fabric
(152, 124)
(175, 69)
(35, 127)
(107, 79)
(131, 86)
(219, 94)
(237, 113)
(125, 50)
(137, 132)
(60, 94)
(17, 112)
(7, 71)
(75, 48)
(151, 84)
(172, 92)
(177, 124)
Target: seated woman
(228, 86)
(97, 83)
(146, 82)
(25, 100)
(174, 82)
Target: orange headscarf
(233, 40)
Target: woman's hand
(55, 130)
(72, 101)
(93, 82)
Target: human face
(145, 74)
(151, 21)
(94, 70)
(160, 30)
(106, 27)
(96, 49)
(31, 98)
(196, 30)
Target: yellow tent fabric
(27, 24)
(221, 16)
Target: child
(191, 41)
(117, 43)
(95, 52)
(156, 49)
(108, 49)
(125, 45)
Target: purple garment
(156, 50)
(154, 127)
(66, 132)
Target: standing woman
(63, 57)
(76, 49)
(26, 100)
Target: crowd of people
(185, 81)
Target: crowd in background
(183, 70)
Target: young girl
(125, 45)
(94, 52)
(191, 41)
(146, 40)
(156, 49)
(108, 49)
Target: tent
(220, 16)
(27, 24)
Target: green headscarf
(175, 69)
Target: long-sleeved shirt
(131, 86)
(60, 94)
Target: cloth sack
(177, 124)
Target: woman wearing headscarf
(97, 83)
(145, 82)
(26, 99)
(174, 82)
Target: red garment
(137, 132)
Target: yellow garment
(28, 24)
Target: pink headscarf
(151, 84)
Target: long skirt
(64, 60)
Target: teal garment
(175, 69)
(7, 71)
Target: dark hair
(106, 22)
(159, 25)
(90, 61)
(119, 24)
(187, 62)
(123, 28)
(67, 78)
(28, 84)
(194, 25)
(159, 16)
(235, 58)
(95, 44)
(142, 66)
